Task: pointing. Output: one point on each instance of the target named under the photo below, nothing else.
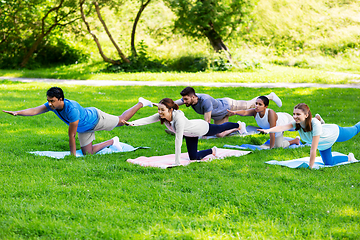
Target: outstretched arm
(277, 128)
(179, 102)
(249, 112)
(29, 112)
(144, 121)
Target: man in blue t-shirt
(84, 121)
(216, 109)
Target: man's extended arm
(29, 112)
(72, 134)
(179, 102)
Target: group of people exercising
(86, 121)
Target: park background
(104, 197)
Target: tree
(16, 23)
(62, 13)
(214, 19)
(105, 58)
(137, 18)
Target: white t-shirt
(328, 133)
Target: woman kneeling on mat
(176, 122)
(267, 118)
(321, 136)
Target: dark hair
(170, 104)
(265, 100)
(55, 92)
(188, 91)
(306, 110)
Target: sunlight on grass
(348, 211)
(269, 74)
(305, 91)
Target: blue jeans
(192, 142)
(345, 133)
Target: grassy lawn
(104, 197)
(268, 74)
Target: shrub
(190, 64)
(50, 53)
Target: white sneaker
(319, 117)
(276, 99)
(351, 158)
(215, 153)
(116, 143)
(242, 129)
(145, 102)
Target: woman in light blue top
(321, 136)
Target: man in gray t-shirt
(216, 109)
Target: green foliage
(189, 64)
(194, 18)
(140, 63)
(23, 25)
(54, 52)
(105, 197)
(292, 28)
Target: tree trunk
(122, 56)
(217, 42)
(32, 50)
(105, 58)
(142, 7)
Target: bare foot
(318, 117)
(214, 151)
(295, 141)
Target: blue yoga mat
(59, 155)
(304, 162)
(251, 130)
(266, 145)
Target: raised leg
(125, 116)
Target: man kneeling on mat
(84, 121)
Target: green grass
(268, 74)
(104, 197)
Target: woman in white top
(176, 122)
(321, 136)
(267, 118)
